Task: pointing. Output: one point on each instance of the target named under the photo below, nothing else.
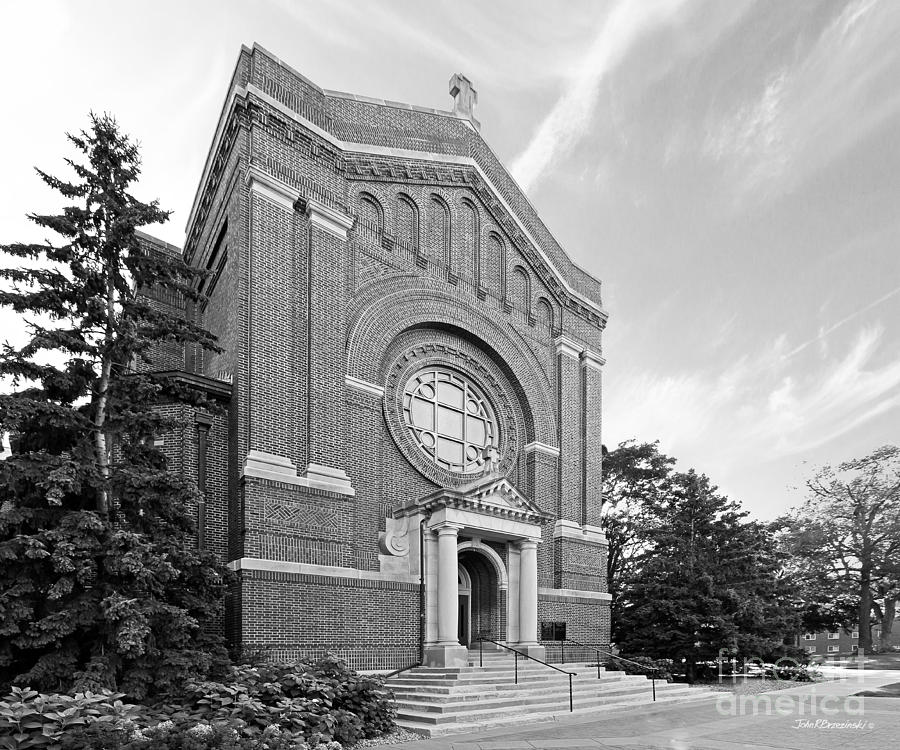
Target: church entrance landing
(479, 549)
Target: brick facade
(352, 243)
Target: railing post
(517, 666)
(653, 680)
(598, 664)
(480, 652)
(571, 704)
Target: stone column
(528, 597)
(448, 592)
(447, 652)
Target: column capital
(528, 544)
(446, 528)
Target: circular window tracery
(449, 419)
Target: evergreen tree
(99, 584)
(706, 582)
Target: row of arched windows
(484, 263)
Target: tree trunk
(865, 611)
(100, 440)
(887, 622)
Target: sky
(729, 169)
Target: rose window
(449, 419)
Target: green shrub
(658, 668)
(32, 720)
(318, 701)
(304, 706)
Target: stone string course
(434, 259)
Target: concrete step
(532, 700)
(433, 701)
(439, 689)
(531, 716)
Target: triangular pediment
(491, 495)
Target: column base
(446, 656)
(533, 650)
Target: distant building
(408, 456)
(840, 642)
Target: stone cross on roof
(464, 96)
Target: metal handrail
(398, 671)
(527, 656)
(653, 670)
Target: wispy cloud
(824, 332)
(570, 117)
(766, 405)
(809, 108)
(752, 138)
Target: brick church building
(407, 457)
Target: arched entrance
(481, 605)
(479, 548)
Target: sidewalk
(820, 716)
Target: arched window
(546, 323)
(371, 214)
(439, 234)
(470, 263)
(493, 267)
(407, 222)
(520, 293)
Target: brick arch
(546, 317)
(406, 221)
(521, 294)
(440, 228)
(366, 200)
(388, 307)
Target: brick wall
(437, 269)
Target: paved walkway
(822, 716)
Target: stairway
(434, 701)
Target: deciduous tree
(848, 531)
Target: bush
(319, 705)
(659, 668)
(32, 720)
(795, 672)
(319, 701)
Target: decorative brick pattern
(437, 269)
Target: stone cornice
(592, 359)
(281, 566)
(262, 465)
(364, 386)
(568, 347)
(329, 219)
(450, 159)
(272, 188)
(575, 594)
(493, 496)
(217, 388)
(536, 447)
(586, 534)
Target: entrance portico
(491, 520)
